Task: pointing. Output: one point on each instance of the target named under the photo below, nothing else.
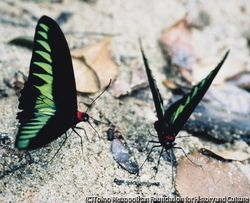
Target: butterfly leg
(150, 151)
(151, 141)
(76, 127)
(152, 134)
(159, 160)
(80, 136)
(172, 158)
(28, 157)
(58, 149)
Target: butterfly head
(82, 116)
(166, 136)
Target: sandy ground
(71, 177)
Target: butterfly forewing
(48, 99)
(154, 89)
(179, 112)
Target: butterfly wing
(154, 89)
(179, 112)
(48, 99)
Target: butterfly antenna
(98, 96)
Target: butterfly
(48, 100)
(171, 121)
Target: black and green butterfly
(171, 121)
(48, 99)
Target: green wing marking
(159, 106)
(44, 104)
(179, 112)
(48, 99)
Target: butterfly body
(166, 137)
(48, 100)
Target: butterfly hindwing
(48, 99)
(179, 112)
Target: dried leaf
(227, 155)
(97, 57)
(86, 79)
(233, 155)
(120, 87)
(177, 43)
(123, 157)
(213, 179)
